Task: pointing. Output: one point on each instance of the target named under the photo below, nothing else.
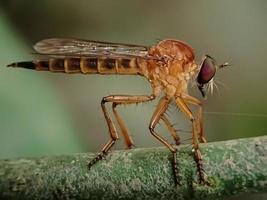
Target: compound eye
(207, 70)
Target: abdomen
(84, 65)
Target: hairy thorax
(171, 69)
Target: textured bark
(233, 167)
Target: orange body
(170, 69)
(173, 71)
(168, 66)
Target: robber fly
(168, 66)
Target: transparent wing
(77, 47)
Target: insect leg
(126, 135)
(158, 113)
(199, 118)
(117, 99)
(171, 129)
(127, 99)
(113, 135)
(197, 154)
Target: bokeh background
(44, 113)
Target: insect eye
(207, 70)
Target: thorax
(171, 68)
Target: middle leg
(158, 113)
(171, 129)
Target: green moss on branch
(234, 166)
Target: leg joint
(152, 96)
(192, 119)
(103, 101)
(106, 99)
(151, 129)
(114, 105)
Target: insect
(169, 66)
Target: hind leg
(123, 100)
(117, 99)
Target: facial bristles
(211, 86)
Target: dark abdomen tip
(12, 65)
(27, 65)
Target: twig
(235, 166)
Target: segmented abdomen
(84, 65)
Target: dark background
(47, 113)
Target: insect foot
(99, 156)
(202, 177)
(177, 176)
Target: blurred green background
(47, 113)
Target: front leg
(199, 118)
(181, 103)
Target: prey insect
(169, 66)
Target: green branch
(235, 166)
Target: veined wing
(77, 47)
